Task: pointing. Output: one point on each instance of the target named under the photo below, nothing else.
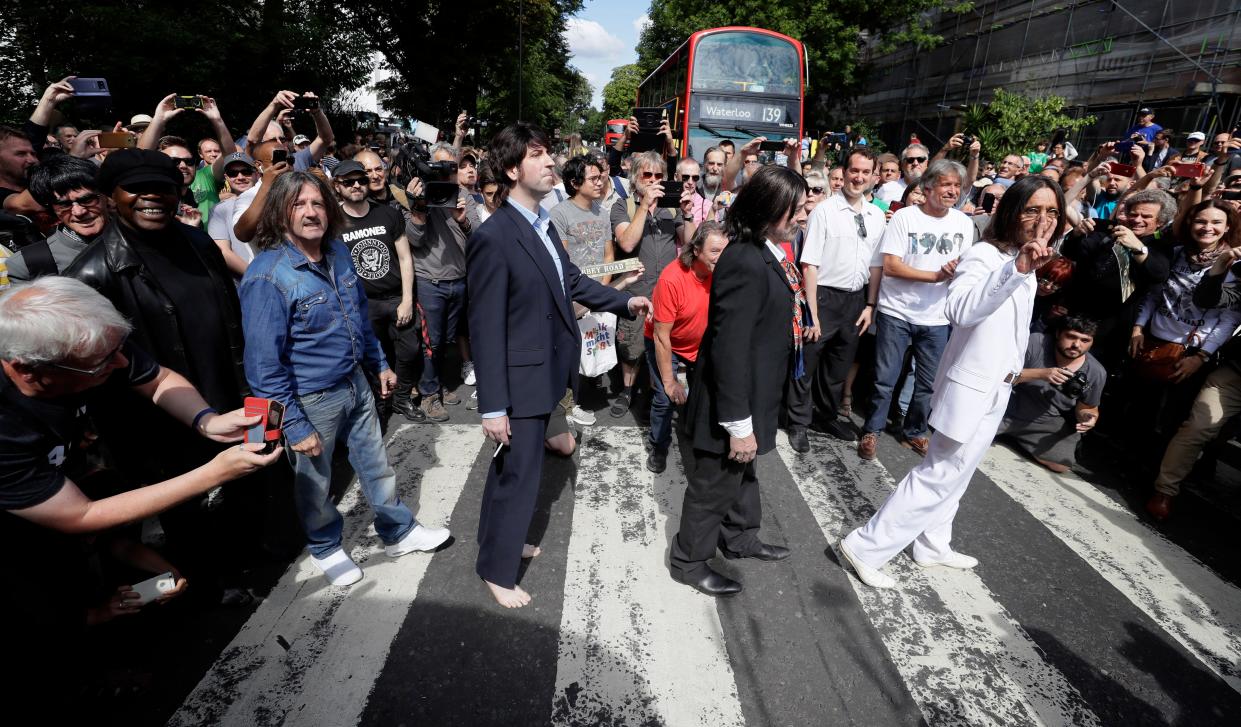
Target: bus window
(748, 63)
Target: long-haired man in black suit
(751, 344)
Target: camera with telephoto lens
(439, 179)
(1074, 386)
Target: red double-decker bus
(730, 83)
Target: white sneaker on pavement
(582, 416)
(870, 576)
(467, 373)
(420, 538)
(954, 560)
(338, 568)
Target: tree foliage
(621, 91)
(1013, 123)
(833, 33)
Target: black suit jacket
(523, 333)
(743, 360)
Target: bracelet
(1195, 186)
(198, 417)
(870, 305)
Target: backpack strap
(39, 259)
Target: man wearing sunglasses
(65, 185)
(913, 163)
(241, 174)
(842, 267)
(202, 182)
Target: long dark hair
(508, 149)
(1185, 225)
(771, 195)
(1004, 230)
(274, 221)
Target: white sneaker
(420, 538)
(866, 574)
(582, 416)
(467, 373)
(338, 568)
(954, 560)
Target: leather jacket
(111, 266)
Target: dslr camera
(1074, 387)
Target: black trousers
(402, 345)
(509, 498)
(721, 509)
(816, 396)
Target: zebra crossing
(1078, 615)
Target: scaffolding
(1107, 58)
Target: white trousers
(921, 509)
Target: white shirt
(833, 243)
(892, 191)
(244, 200)
(220, 227)
(926, 243)
(745, 427)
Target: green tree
(579, 110)
(1013, 123)
(621, 91)
(831, 32)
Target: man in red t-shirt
(681, 298)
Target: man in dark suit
(745, 358)
(526, 344)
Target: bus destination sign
(735, 111)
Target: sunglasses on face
(238, 172)
(817, 190)
(96, 370)
(652, 175)
(86, 200)
(916, 160)
(690, 177)
(187, 161)
(352, 182)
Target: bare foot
(530, 551)
(513, 597)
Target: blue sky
(602, 36)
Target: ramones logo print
(371, 259)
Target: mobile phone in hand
(187, 102)
(153, 588)
(1189, 171)
(279, 155)
(771, 145)
(1122, 170)
(117, 140)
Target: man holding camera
(437, 234)
(1056, 399)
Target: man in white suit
(989, 304)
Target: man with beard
(65, 185)
(375, 236)
(170, 281)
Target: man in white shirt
(920, 248)
(841, 268)
(913, 164)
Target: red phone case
(1123, 170)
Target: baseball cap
(301, 139)
(133, 166)
(348, 166)
(140, 120)
(1197, 136)
(239, 156)
(1144, 111)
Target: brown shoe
(434, 409)
(917, 444)
(1159, 506)
(450, 399)
(866, 448)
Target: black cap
(1144, 112)
(348, 166)
(132, 166)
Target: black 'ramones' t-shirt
(372, 245)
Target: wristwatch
(1145, 250)
(687, 218)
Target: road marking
(635, 646)
(1186, 598)
(338, 638)
(964, 659)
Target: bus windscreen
(748, 63)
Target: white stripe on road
(338, 638)
(964, 659)
(635, 646)
(1187, 599)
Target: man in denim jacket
(307, 339)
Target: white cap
(1197, 136)
(301, 139)
(140, 120)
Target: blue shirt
(306, 327)
(1147, 132)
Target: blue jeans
(346, 411)
(661, 405)
(443, 309)
(893, 338)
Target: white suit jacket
(989, 307)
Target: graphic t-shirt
(681, 299)
(372, 246)
(584, 233)
(926, 243)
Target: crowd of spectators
(155, 281)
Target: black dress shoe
(798, 440)
(657, 461)
(712, 584)
(404, 406)
(837, 429)
(766, 551)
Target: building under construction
(1181, 58)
